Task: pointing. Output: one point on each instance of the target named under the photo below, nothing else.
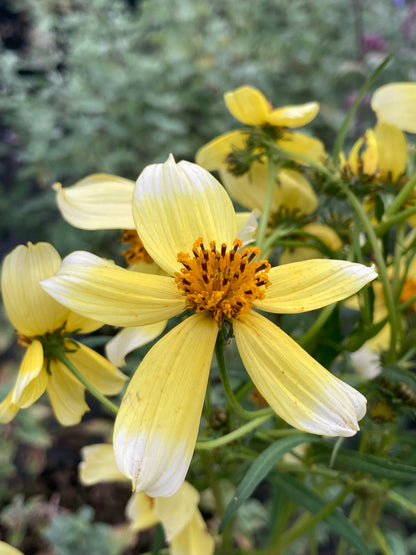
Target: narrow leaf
(377, 467)
(309, 500)
(259, 470)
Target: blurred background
(111, 86)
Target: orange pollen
(408, 291)
(225, 283)
(137, 252)
(23, 340)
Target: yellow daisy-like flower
(41, 321)
(103, 201)
(249, 106)
(184, 527)
(187, 223)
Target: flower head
(184, 527)
(187, 223)
(240, 161)
(43, 324)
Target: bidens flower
(184, 527)
(187, 223)
(243, 166)
(41, 322)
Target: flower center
(223, 283)
(136, 252)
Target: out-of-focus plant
(321, 275)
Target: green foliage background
(111, 86)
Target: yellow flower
(249, 106)
(176, 205)
(41, 321)
(184, 527)
(103, 201)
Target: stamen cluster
(225, 283)
(136, 252)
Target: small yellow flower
(249, 106)
(187, 223)
(41, 321)
(184, 527)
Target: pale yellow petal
(66, 395)
(294, 193)
(30, 369)
(395, 103)
(6, 549)
(129, 339)
(98, 465)
(392, 151)
(293, 116)
(174, 205)
(8, 410)
(81, 324)
(248, 105)
(247, 225)
(294, 384)
(31, 310)
(312, 284)
(298, 143)
(326, 234)
(99, 289)
(140, 511)
(176, 511)
(32, 378)
(157, 424)
(213, 155)
(194, 539)
(99, 371)
(354, 160)
(99, 201)
(249, 189)
(370, 156)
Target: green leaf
(259, 470)
(395, 373)
(309, 500)
(377, 467)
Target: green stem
(261, 234)
(247, 414)
(401, 197)
(322, 317)
(395, 219)
(298, 529)
(232, 436)
(339, 141)
(402, 501)
(61, 356)
(381, 267)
